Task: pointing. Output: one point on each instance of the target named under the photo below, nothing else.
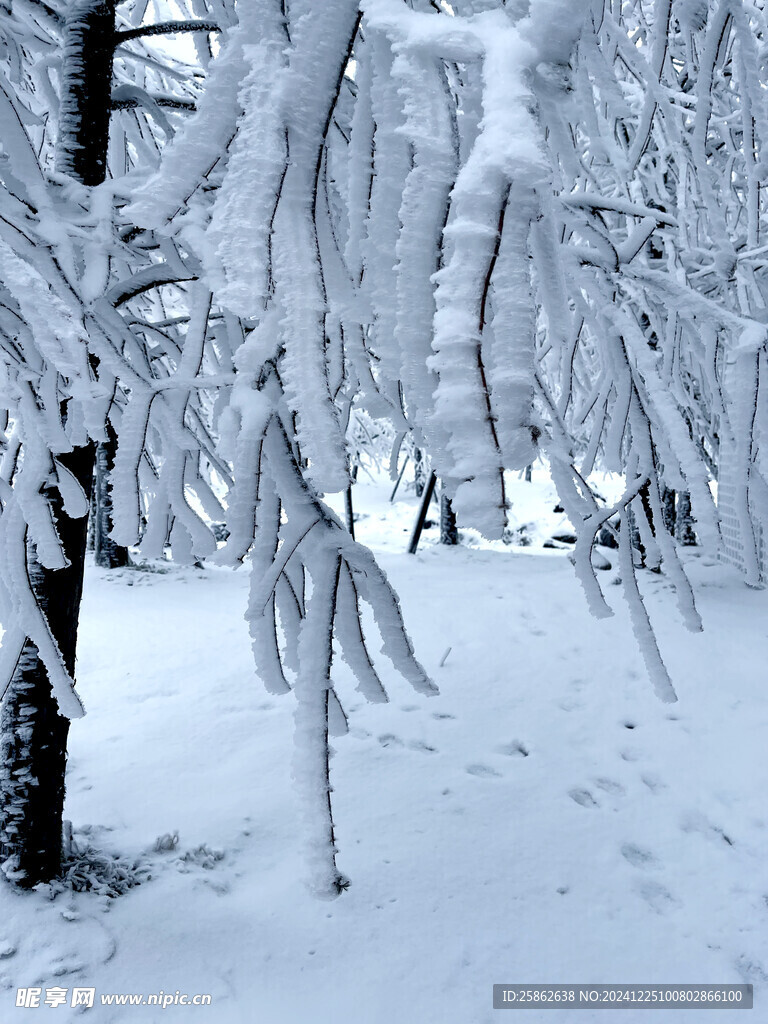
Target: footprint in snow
(441, 715)
(61, 968)
(570, 704)
(390, 740)
(695, 821)
(358, 733)
(653, 782)
(423, 747)
(583, 798)
(609, 786)
(657, 896)
(638, 857)
(629, 755)
(483, 771)
(514, 749)
(751, 971)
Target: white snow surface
(544, 819)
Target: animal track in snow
(388, 739)
(656, 895)
(358, 732)
(653, 782)
(514, 749)
(694, 821)
(483, 771)
(751, 971)
(609, 786)
(638, 856)
(583, 798)
(629, 755)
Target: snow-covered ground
(544, 819)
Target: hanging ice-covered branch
(276, 254)
(565, 268)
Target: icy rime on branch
(600, 248)
(299, 356)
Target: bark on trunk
(685, 531)
(86, 90)
(449, 532)
(33, 735)
(107, 553)
(419, 471)
(638, 551)
(349, 511)
(668, 508)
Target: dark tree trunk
(419, 471)
(638, 557)
(528, 473)
(418, 527)
(449, 532)
(91, 536)
(399, 478)
(668, 508)
(33, 737)
(108, 554)
(349, 511)
(645, 500)
(86, 90)
(685, 531)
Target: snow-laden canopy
(512, 229)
